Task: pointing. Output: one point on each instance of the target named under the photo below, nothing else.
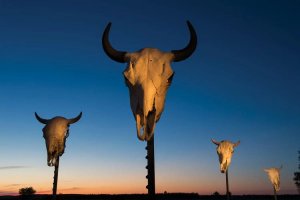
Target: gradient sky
(242, 83)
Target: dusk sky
(241, 83)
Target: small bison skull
(274, 176)
(55, 133)
(148, 76)
(225, 151)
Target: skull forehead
(56, 126)
(148, 64)
(225, 146)
(149, 53)
(58, 121)
(273, 172)
(150, 57)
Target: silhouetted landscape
(85, 84)
(171, 196)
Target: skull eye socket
(169, 80)
(132, 63)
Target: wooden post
(151, 169)
(275, 194)
(55, 179)
(227, 186)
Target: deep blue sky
(242, 83)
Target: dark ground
(180, 196)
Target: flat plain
(171, 196)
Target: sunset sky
(241, 83)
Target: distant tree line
(297, 175)
(27, 191)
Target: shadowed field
(179, 196)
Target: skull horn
(43, 121)
(215, 142)
(186, 52)
(236, 144)
(73, 120)
(114, 54)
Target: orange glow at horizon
(114, 181)
(138, 188)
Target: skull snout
(55, 148)
(52, 162)
(144, 110)
(223, 163)
(52, 158)
(223, 167)
(145, 125)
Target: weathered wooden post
(150, 168)
(55, 178)
(227, 186)
(275, 193)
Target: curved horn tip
(187, 51)
(118, 56)
(108, 26)
(189, 23)
(215, 142)
(76, 119)
(266, 170)
(43, 121)
(36, 115)
(237, 143)
(192, 29)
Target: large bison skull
(225, 151)
(148, 76)
(55, 133)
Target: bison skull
(148, 76)
(225, 151)
(274, 176)
(55, 133)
